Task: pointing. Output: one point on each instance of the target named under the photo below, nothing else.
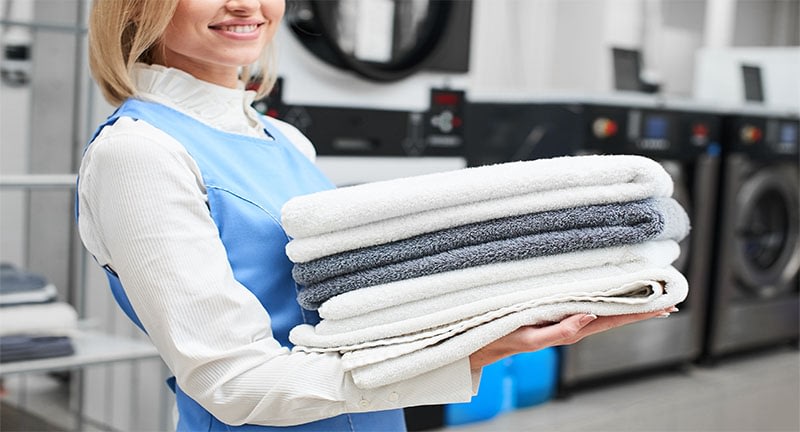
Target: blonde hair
(125, 32)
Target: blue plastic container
(534, 376)
(522, 380)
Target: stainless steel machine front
(754, 301)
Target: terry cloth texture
(45, 319)
(452, 307)
(515, 248)
(363, 301)
(433, 311)
(648, 290)
(349, 218)
(648, 217)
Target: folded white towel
(633, 293)
(444, 310)
(439, 354)
(365, 300)
(440, 309)
(50, 319)
(348, 218)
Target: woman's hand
(568, 331)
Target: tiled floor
(756, 392)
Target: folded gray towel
(648, 213)
(667, 221)
(32, 347)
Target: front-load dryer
(754, 301)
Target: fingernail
(673, 309)
(587, 319)
(663, 315)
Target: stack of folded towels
(411, 274)
(33, 323)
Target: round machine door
(381, 40)
(766, 242)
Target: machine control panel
(346, 131)
(652, 132)
(444, 127)
(763, 137)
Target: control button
(751, 134)
(700, 130)
(445, 121)
(394, 397)
(604, 127)
(700, 134)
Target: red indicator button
(604, 127)
(700, 130)
(751, 134)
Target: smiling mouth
(237, 28)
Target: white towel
(348, 218)
(491, 296)
(444, 311)
(462, 345)
(634, 293)
(365, 300)
(51, 319)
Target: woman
(179, 198)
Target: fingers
(531, 338)
(576, 327)
(534, 338)
(568, 331)
(609, 322)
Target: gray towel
(32, 347)
(670, 222)
(369, 214)
(646, 213)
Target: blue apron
(248, 180)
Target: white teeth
(240, 29)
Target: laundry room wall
(549, 46)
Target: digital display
(655, 126)
(788, 133)
(451, 99)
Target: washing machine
(754, 300)
(685, 139)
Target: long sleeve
(143, 212)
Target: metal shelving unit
(93, 346)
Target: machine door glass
(381, 40)
(767, 232)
